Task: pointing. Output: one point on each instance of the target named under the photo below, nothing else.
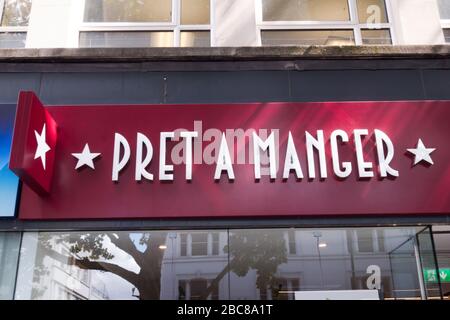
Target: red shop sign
(231, 160)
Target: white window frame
(352, 24)
(174, 26)
(188, 280)
(375, 242)
(16, 29)
(209, 244)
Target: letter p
(119, 164)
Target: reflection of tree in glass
(16, 12)
(122, 10)
(90, 253)
(259, 250)
(253, 249)
(128, 11)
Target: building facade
(392, 238)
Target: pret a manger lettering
(283, 158)
(234, 159)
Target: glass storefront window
(328, 259)
(221, 264)
(119, 265)
(9, 253)
(305, 10)
(441, 235)
(427, 254)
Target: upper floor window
(146, 23)
(444, 10)
(305, 10)
(291, 242)
(14, 16)
(128, 11)
(447, 35)
(199, 244)
(325, 22)
(365, 240)
(370, 240)
(194, 289)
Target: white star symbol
(422, 153)
(86, 157)
(42, 146)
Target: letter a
(291, 160)
(224, 161)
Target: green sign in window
(430, 275)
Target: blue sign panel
(8, 180)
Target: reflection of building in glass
(194, 264)
(191, 263)
(62, 280)
(193, 289)
(220, 264)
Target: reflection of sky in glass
(114, 286)
(8, 181)
(111, 284)
(121, 258)
(136, 237)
